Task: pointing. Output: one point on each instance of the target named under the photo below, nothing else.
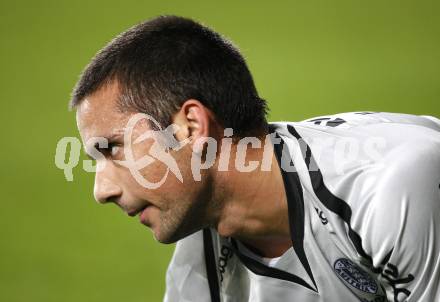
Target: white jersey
(363, 194)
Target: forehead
(98, 115)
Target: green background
(308, 58)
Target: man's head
(161, 63)
(176, 71)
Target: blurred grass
(308, 58)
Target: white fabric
(394, 197)
(271, 262)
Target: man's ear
(194, 121)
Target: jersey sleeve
(401, 229)
(186, 279)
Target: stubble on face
(179, 209)
(189, 208)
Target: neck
(254, 208)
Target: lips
(144, 216)
(137, 211)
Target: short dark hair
(162, 62)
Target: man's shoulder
(379, 164)
(348, 120)
(348, 144)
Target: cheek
(127, 182)
(172, 172)
(172, 168)
(147, 166)
(155, 172)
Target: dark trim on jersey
(330, 201)
(295, 205)
(328, 121)
(387, 257)
(263, 270)
(364, 112)
(211, 267)
(379, 270)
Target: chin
(172, 226)
(170, 236)
(163, 236)
(165, 239)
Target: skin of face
(250, 207)
(174, 209)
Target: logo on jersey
(225, 255)
(322, 217)
(352, 274)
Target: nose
(105, 188)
